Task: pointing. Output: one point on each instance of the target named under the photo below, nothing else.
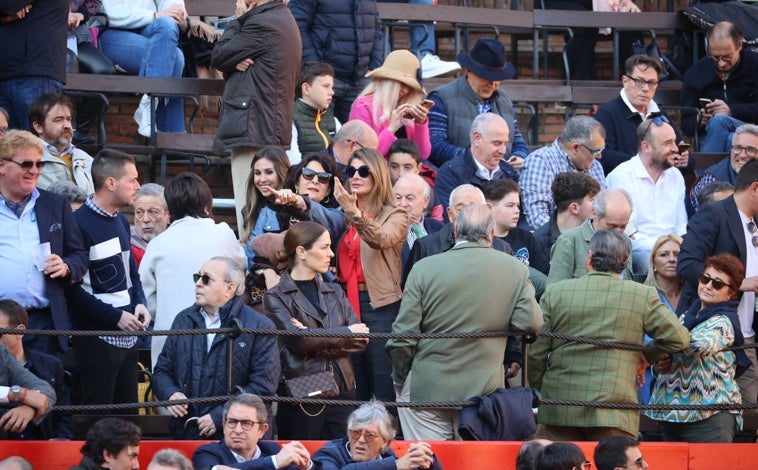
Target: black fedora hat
(487, 60)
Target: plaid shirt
(124, 342)
(537, 175)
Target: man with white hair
(412, 193)
(151, 218)
(194, 366)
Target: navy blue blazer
(217, 453)
(715, 228)
(431, 226)
(56, 225)
(50, 369)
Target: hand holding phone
(683, 147)
(704, 102)
(428, 104)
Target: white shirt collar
(652, 106)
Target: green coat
(470, 288)
(568, 256)
(600, 306)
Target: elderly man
(367, 445)
(31, 397)
(622, 115)
(151, 218)
(656, 187)
(744, 149)
(169, 459)
(50, 116)
(111, 443)
(45, 366)
(576, 149)
(110, 296)
(723, 86)
(499, 296)
(625, 312)
(477, 91)
(41, 249)
(611, 210)
(412, 193)
(615, 452)
(481, 162)
(245, 422)
(353, 135)
(728, 226)
(195, 366)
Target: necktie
(416, 232)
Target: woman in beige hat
(391, 103)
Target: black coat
(185, 366)
(301, 355)
(50, 369)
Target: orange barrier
(61, 455)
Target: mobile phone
(704, 102)
(683, 147)
(428, 104)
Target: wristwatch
(17, 394)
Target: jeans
(421, 42)
(718, 134)
(151, 51)
(18, 94)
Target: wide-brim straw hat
(487, 60)
(402, 66)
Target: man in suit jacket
(32, 219)
(245, 423)
(602, 306)
(728, 226)
(412, 193)
(486, 290)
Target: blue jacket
(50, 369)
(346, 34)
(503, 415)
(739, 90)
(335, 456)
(462, 170)
(185, 366)
(217, 453)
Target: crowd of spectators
(348, 236)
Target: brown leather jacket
(301, 355)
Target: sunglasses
(362, 171)
(717, 284)
(323, 177)
(205, 278)
(369, 437)
(639, 463)
(658, 120)
(595, 152)
(29, 164)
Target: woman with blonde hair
(662, 273)
(392, 103)
(368, 262)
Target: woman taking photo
(391, 103)
(314, 176)
(704, 373)
(303, 300)
(368, 262)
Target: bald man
(412, 193)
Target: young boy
(503, 196)
(314, 123)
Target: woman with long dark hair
(302, 300)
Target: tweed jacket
(568, 255)
(602, 306)
(488, 291)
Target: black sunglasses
(29, 164)
(717, 284)
(753, 231)
(362, 171)
(657, 119)
(323, 177)
(205, 278)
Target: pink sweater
(419, 133)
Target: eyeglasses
(717, 284)
(205, 278)
(728, 58)
(247, 424)
(363, 171)
(658, 120)
(753, 229)
(352, 141)
(3, 131)
(323, 177)
(641, 82)
(595, 152)
(587, 465)
(751, 152)
(29, 164)
(639, 463)
(367, 435)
